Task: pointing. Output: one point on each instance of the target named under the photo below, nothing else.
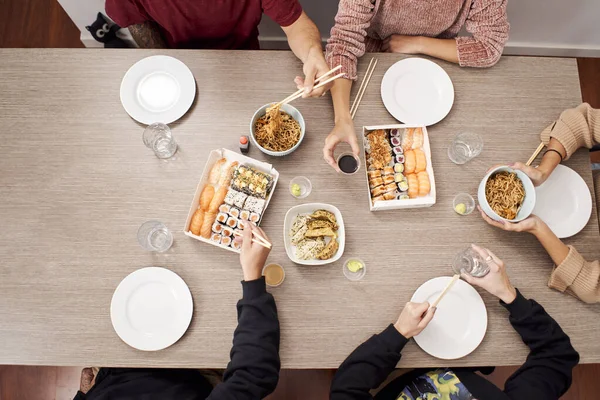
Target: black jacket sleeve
(253, 371)
(368, 366)
(547, 372)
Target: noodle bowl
(277, 131)
(506, 194)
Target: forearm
(303, 37)
(555, 248)
(444, 49)
(147, 35)
(551, 159)
(340, 95)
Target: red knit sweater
(362, 25)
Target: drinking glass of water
(155, 236)
(470, 262)
(158, 137)
(465, 147)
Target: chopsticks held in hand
(535, 154)
(319, 81)
(446, 290)
(258, 239)
(363, 87)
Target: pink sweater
(362, 25)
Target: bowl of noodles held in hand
(506, 194)
(277, 131)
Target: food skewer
(300, 91)
(446, 290)
(535, 154)
(258, 240)
(363, 87)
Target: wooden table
(76, 182)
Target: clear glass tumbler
(155, 236)
(470, 262)
(465, 147)
(463, 204)
(303, 188)
(159, 138)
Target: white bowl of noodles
(273, 141)
(506, 194)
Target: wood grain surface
(76, 182)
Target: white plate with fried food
(314, 234)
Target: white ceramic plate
(564, 202)
(309, 209)
(151, 308)
(460, 321)
(158, 89)
(417, 91)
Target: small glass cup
(465, 147)
(304, 184)
(274, 274)
(463, 204)
(469, 261)
(348, 163)
(358, 275)
(159, 138)
(155, 236)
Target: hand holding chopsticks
(320, 82)
(446, 290)
(258, 238)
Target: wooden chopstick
(363, 86)
(296, 96)
(535, 154)
(300, 91)
(258, 240)
(448, 287)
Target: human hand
(414, 318)
(343, 131)
(314, 67)
(402, 44)
(529, 225)
(496, 282)
(538, 175)
(253, 255)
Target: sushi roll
(398, 150)
(400, 159)
(245, 215)
(399, 177)
(403, 186)
(216, 237)
(373, 183)
(403, 196)
(378, 191)
(236, 245)
(230, 197)
(388, 170)
(395, 133)
(254, 217)
(390, 188)
(226, 240)
(396, 141)
(374, 174)
(254, 204)
(241, 224)
(239, 200)
(389, 196)
(398, 167)
(227, 231)
(232, 222)
(234, 212)
(224, 208)
(217, 228)
(388, 179)
(222, 217)
(378, 198)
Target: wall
(538, 27)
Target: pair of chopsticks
(446, 290)
(258, 239)
(363, 87)
(535, 154)
(319, 81)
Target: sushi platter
(399, 170)
(233, 190)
